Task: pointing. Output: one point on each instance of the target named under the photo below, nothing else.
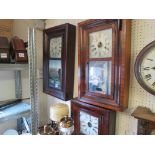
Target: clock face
(100, 44)
(55, 47)
(88, 124)
(147, 69)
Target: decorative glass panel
(55, 47)
(100, 44)
(55, 74)
(100, 77)
(88, 124)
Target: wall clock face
(100, 44)
(55, 47)
(88, 124)
(145, 68)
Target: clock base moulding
(92, 120)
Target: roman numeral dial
(147, 69)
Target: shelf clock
(92, 120)
(58, 61)
(104, 63)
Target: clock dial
(147, 69)
(88, 124)
(100, 44)
(55, 47)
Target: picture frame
(58, 61)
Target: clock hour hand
(153, 68)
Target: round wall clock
(145, 68)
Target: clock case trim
(119, 101)
(137, 67)
(68, 32)
(106, 118)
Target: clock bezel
(137, 67)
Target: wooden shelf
(8, 67)
(144, 113)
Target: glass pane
(55, 47)
(100, 77)
(100, 44)
(55, 74)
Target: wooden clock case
(121, 39)
(103, 106)
(106, 117)
(67, 32)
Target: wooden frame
(146, 120)
(106, 118)
(121, 30)
(58, 71)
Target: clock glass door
(55, 62)
(100, 60)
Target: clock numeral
(148, 76)
(153, 84)
(146, 68)
(149, 59)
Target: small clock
(145, 68)
(58, 55)
(92, 120)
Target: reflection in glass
(100, 77)
(55, 74)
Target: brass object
(66, 126)
(47, 130)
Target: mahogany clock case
(106, 118)
(58, 61)
(116, 98)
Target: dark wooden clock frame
(67, 32)
(106, 118)
(121, 40)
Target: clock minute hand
(153, 68)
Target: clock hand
(153, 68)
